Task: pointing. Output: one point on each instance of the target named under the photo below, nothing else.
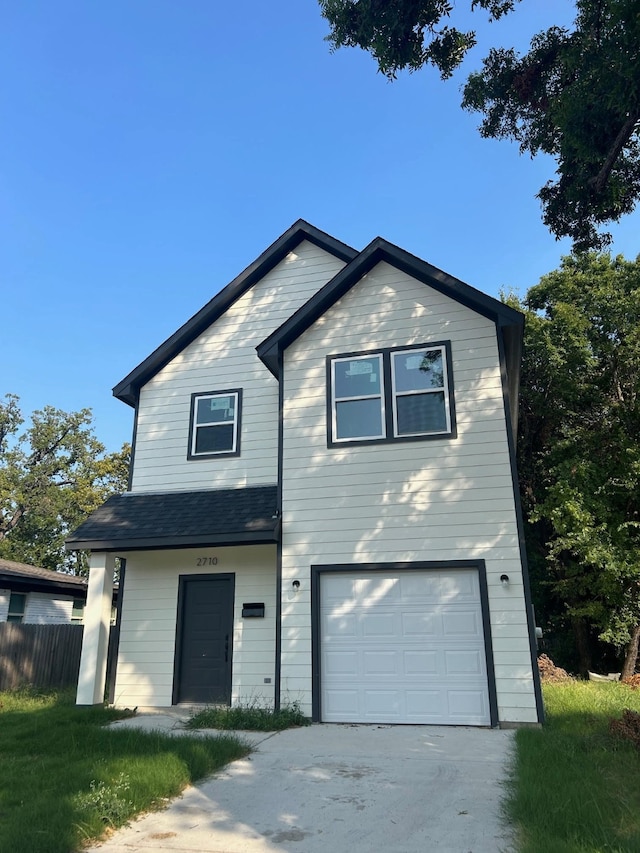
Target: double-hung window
(214, 428)
(358, 397)
(399, 394)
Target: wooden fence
(43, 656)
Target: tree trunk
(631, 654)
(581, 636)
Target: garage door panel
(377, 662)
(339, 663)
(420, 663)
(467, 705)
(378, 624)
(463, 623)
(424, 705)
(341, 704)
(418, 624)
(404, 652)
(339, 625)
(464, 662)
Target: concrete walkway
(338, 789)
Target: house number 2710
(206, 561)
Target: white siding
(42, 609)
(224, 357)
(436, 500)
(149, 615)
(5, 595)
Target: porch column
(97, 619)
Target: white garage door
(402, 647)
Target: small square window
(17, 605)
(214, 427)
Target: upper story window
(399, 394)
(17, 605)
(214, 426)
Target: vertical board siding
(39, 655)
(224, 356)
(440, 499)
(149, 616)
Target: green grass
(65, 778)
(250, 717)
(576, 787)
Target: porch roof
(150, 521)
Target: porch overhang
(161, 521)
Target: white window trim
(441, 390)
(379, 396)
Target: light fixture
(296, 585)
(504, 580)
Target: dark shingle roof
(21, 575)
(133, 522)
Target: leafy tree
(580, 448)
(51, 477)
(575, 95)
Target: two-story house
(323, 505)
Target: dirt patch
(550, 672)
(628, 727)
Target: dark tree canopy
(575, 95)
(579, 449)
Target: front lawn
(577, 787)
(65, 778)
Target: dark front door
(205, 626)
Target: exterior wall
(42, 609)
(221, 358)
(149, 616)
(5, 595)
(439, 499)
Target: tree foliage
(580, 444)
(575, 95)
(52, 475)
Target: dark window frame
(237, 423)
(389, 396)
(17, 614)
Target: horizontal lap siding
(43, 609)
(149, 614)
(224, 357)
(5, 595)
(437, 500)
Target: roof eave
(159, 543)
(377, 251)
(128, 388)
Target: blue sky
(150, 150)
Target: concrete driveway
(340, 789)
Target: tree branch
(626, 131)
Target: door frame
(183, 580)
(422, 565)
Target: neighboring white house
(323, 504)
(31, 595)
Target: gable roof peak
(128, 389)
